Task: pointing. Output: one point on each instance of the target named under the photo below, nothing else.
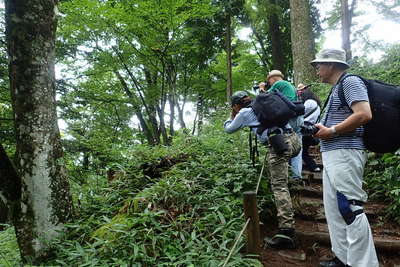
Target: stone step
(313, 190)
(312, 208)
(318, 232)
(312, 177)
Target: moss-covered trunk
(45, 198)
(303, 44)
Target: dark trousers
(308, 160)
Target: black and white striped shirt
(354, 91)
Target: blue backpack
(382, 133)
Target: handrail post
(253, 244)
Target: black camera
(257, 87)
(309, 129)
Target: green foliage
(389, 10)
(6, 116)
(188, 216)
(9, 253)
(385, 70)
(383, 182)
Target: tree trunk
(180, 109)
(162, 128)
(303, 44)
(200, 114)
(228, 57)
(171, 101)
(150, 136)
(346, 17)
(45, 197)
(278, 59)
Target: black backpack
(382, 133)
(273, 109)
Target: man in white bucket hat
(344, 157)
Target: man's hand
(324, 132)
(361, 115)
(233, 114)
(235, 111)
(262, 86)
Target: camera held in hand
(256, 88)
(309, 129)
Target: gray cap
(331, 56)
(238, 96)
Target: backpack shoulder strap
(341, 91)
(341, 96)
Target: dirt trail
(313, 234)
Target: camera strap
(330, 100)
(310, 112)
(253, 149)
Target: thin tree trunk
(346, 17)
(228, 57)
(162, 129)
(264, 53)
(303, 44)
(195, 122)
(45, 197)
(150, 136)
(181, 119)
(172, 114)
(200, 110)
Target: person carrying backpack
(312, 106)
(243, 116)
(344, 157)
(277, 83)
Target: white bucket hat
(331, 56)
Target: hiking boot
(284, 239)
(332, 263)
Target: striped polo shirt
(354, 91)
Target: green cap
(238, 96)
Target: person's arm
(361, 115)
(232, 125)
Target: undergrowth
(383, 182)
(9, 253)
(175, 206)
(189, 216)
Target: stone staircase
(312, 230)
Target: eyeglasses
(318, 65)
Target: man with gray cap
(242, 116)
(344, 157)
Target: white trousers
(343, 171)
